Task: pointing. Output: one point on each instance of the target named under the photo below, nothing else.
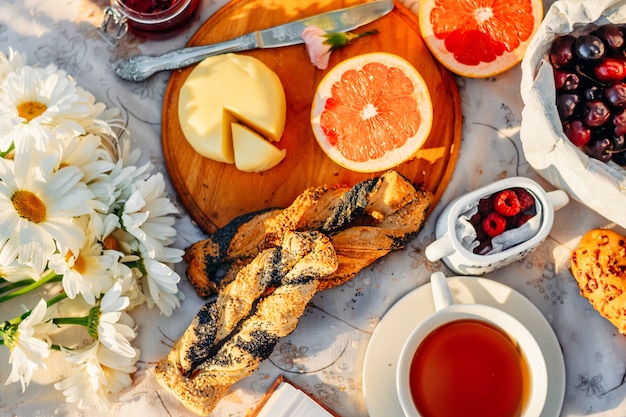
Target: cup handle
(558, 199)
(441, 291)
(440, 248)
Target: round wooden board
(215, 193)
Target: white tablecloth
(325, 354)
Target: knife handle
(141, 67)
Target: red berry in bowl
(525, 198)
(619, 123)
(610, 69)
(616, 94)
(567, 105)
(523, 219)
(577, 133)
(588, 49)
(610, 34)
(494, 224)
(506, 203)
(596, 113)
(565, 80)
(562, 51)
(600, 149)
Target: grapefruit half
(371, 112)
(479, 38)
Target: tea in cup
(470, 357)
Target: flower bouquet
(84, 234)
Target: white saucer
(383, 350)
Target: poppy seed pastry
(364, 223)
(233, 333)
(599, 266)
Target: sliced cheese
(230, 88)
(252, 152)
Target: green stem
(51, 277)
(83, 321)
(14, 285)
(56, 299)
(3, 154)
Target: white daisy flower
(27, 350)
(158, 280)
(127, 172)
(112, 333)
(43, 103)
(147, 215)
(16, 271)
(87, 154)
(89, 273)
(11, 63)
(97, 373)
(37, 206)
(161, 282)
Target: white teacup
(440, 348)
(455, 256)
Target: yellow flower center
(80, 265)
(30, 110)
(110, 243)
(29, 206)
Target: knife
(141, 67)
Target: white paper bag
(600, 186)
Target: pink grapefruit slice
(372, 112)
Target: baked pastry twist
(364, 222)
(599, 266)
(230, 336)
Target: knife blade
(141, 67)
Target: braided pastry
(231, 335)
(599, 267)
(364, 222)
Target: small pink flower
(320, 44)
(319, 52)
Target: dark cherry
(561, 52)
(599, 149)
(616, 94)
(594, 92)
(610, 69)
(566, 80)
(611, 35)
(619, 143)
(619, 123)
(577, 133)
(596, 113)
(588, 49)
(590, 81)
(567, 104)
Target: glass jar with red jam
(144, 17)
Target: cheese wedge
(252, 152)
(227, 89)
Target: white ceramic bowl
(449, 249)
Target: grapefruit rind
(393, 157)
(501, 64)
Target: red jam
(150, 6)
(157, 15)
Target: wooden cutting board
(214, 193)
